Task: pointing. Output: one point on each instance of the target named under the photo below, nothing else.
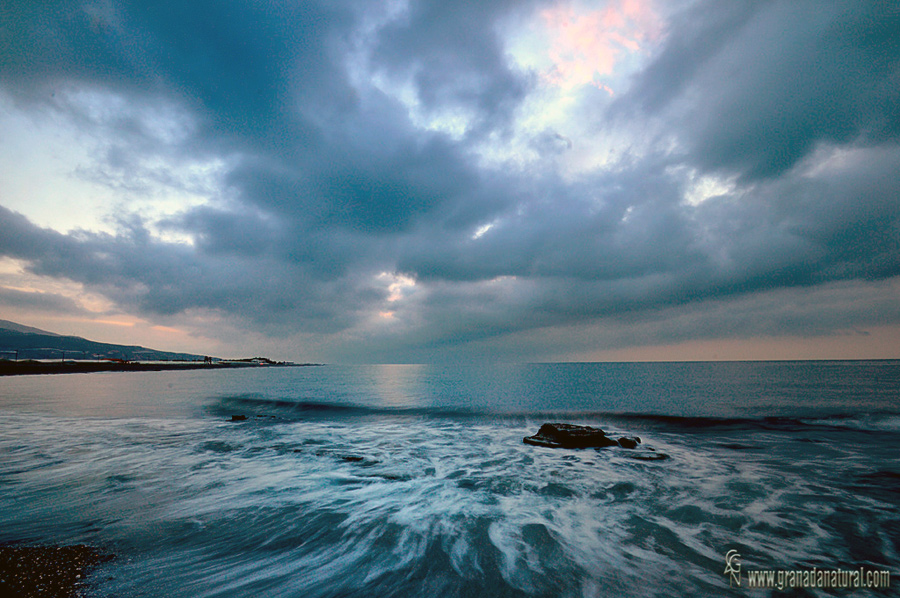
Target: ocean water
(414, 480)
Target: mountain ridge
(27, 342)
(15, 326)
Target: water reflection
(400, 385)
(680, 389)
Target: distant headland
(27, 350)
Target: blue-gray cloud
(755, 86)
(327, 183)
(37, 301)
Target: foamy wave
(865, 422)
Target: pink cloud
(586, 46)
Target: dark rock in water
(570, 436)
(238, 418)
(736, 446)
(575, 437)
(629, 442)
(641, 456)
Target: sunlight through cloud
(572, 45)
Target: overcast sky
(422, 181)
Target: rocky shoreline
(47, 571)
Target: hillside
(25, 342)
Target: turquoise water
(414, 481)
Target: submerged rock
(629, 442)
(648, 456)
(570, 436)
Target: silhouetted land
(13, 368)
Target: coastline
(47, 570)
(21, 368)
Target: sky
(390, 181)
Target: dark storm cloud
(140, 272)
(837, 309)
(451, 53)
(555, 229)
(327, 182)
(755, 86)
(578, 266)
(14, 298)
(237, 65)
(267, 81)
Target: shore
(18, 368)
(47, 571)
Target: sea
(413, 480)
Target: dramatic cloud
(753, 87)
(420, 180)
(39, 301)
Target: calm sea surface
(414, 481)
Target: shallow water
(414, 481)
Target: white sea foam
(357, 500)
